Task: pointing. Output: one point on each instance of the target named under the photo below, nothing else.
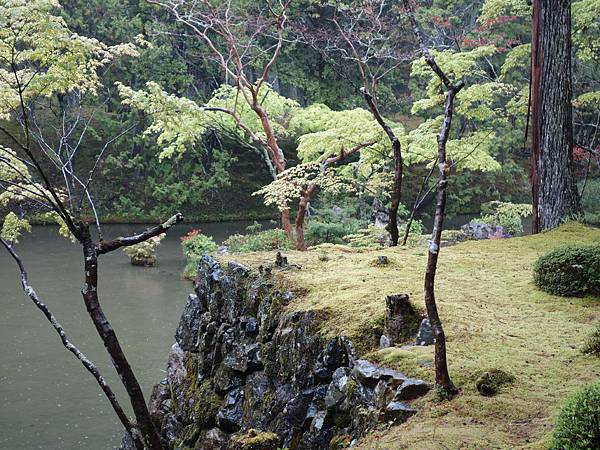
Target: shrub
(371, 236)
(507, 215)
(144, 253)
(321, 230)
(592, 344)
(577, 426)
(569, 270)
(274, 239)
(194, 245)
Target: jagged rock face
(243, 371)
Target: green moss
(200, 402)
(256, 440)
(492, 315)
(570, 270)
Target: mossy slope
(494, 317)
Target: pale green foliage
(469, 152)
(180, 123)
(456, 65)
(289, 184)
(146, 249)
(177, 121)
(589, 99)
(323, 132)
(506, 214)
(492, 9)
(586, 29)
(40, 56)
(13, 227)
(277, 107)
(517, 59)
(484, 101)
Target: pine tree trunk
(555, 196)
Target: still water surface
(47, 399)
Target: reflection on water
(48, 400)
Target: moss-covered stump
(489, 382)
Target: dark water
(47, 399)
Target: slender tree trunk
(555, 196)
(302, 208)
(396, 193)
(109, 338)
(442, 377)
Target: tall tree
(245, 42)
(555, 196)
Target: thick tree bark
(555, 196)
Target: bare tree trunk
(442, 377)
(555, 196)
(302, 208)
(396, 193)
(111, 343)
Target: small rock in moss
(489, 382)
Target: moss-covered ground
(494, 317)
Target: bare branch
(109, 246)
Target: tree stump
(401, 320)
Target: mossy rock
(491, 381)
(144, 261)
(200, 402)
(569, 271)
(256, 440)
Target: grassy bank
(494, 317)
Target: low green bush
(578, 424)
(194, 246)
(329, 229)
(592, 344)
(144, 253)
(274, 239)
(506, 214)
(569, 271)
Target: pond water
(48, 400)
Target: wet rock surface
(244, 373)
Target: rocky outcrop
(244, 373)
